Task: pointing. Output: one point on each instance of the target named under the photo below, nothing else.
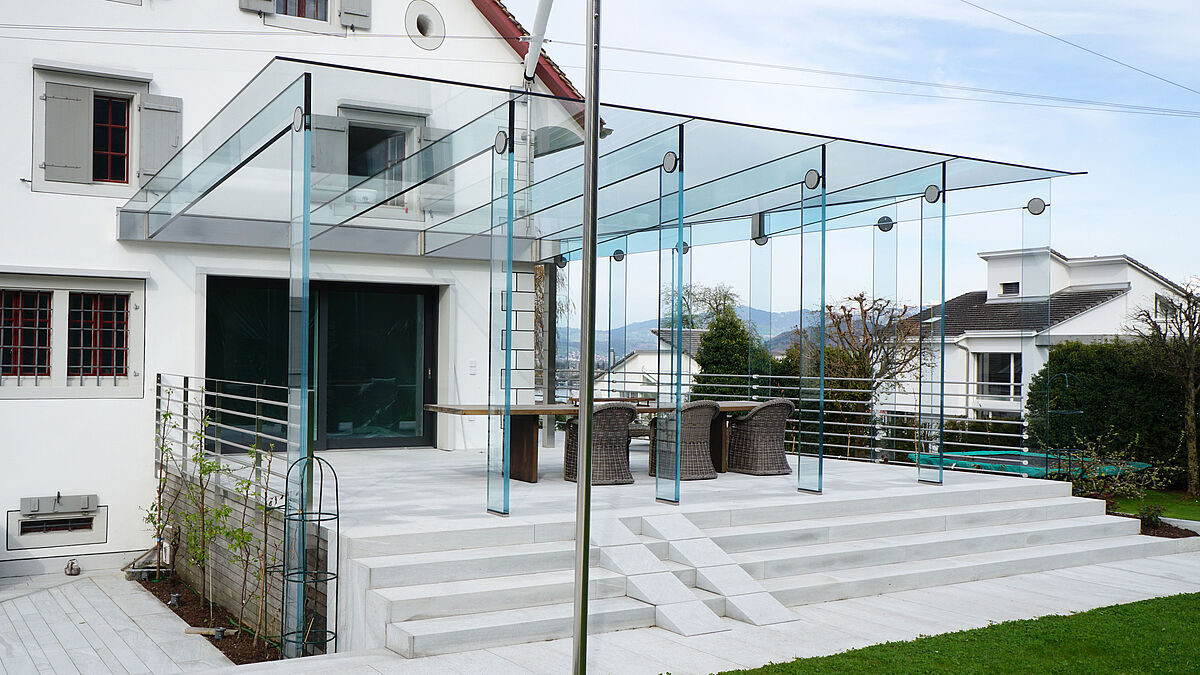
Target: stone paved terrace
(94, 623)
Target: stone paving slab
(99, 623)
(820, 628)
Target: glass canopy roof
(430, 186)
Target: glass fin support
(299, 533)
(667, 440)
(810, 457)
(500, 357)
(887, 316)
(931, 399)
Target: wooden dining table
(523, 429)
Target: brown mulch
(237, 645)
(1161, 530)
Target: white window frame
(111, 85)
(58, 385)
(1014, 383)
(413, 126)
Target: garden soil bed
(1161, 530)
(237, 645)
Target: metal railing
(865, 419)
(242, 425)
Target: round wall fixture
(424, 25)
(561, 261)
(670, 161)
(686, 247)
(501, 144)
(618, 255)
(298, 119)
(885, 224)
(812, 179)
(1036, 206)
(761, 241)
(932, 194)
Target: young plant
(161, 512)
(1151, 515)
(204, 521)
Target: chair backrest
(783, 405)
(612, 418)
(705, 410)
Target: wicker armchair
(695, 461)
(756, 440)
(610, 445)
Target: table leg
(523, 448)
(718, 441)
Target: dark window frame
(15, 331)
(98, 335)
(105, 128)
(55, 525)
(300, 9)
(1010, 288)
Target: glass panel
(500, 358)
(673, 322)
(811, 452)
(931, 401)
(615, 382)
(1042, 285)
(758, 323)
(374, 378)
(885, 318)
(299, 532)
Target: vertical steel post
(587, 361)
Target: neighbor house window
(305, 9)
(999, 374)
(375, 159)
(110, 139)
(1164, 307)
(1010, 288)
(24, 333)
(98, 335)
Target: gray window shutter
(437, 194)
(68, 133)
(330, 155)
(263, 6)
(161, 133)
(356, 14)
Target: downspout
(536, 38)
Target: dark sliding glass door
(373, 346)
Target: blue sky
(1140, 194)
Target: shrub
(1151, 515)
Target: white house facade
(90, 316)
(996, 339)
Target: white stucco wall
(105, 446)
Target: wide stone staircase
(479, 584)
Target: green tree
(1171, 331)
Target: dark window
(78, 524)
(1164, 306)
(1010, 288)
(305, 9)
(98, 335)
(377, 154)
(110, 139)
(25, 333)
(999, 374)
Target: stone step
(427, 637)
(863, 581)
(742, 538)
(882, 501)
(793, 560)
(493, 594)
(411, 569)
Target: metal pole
(587, 361)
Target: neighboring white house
(90, 315)
(642, 372)
(997, 338)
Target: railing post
(158, 430)
(258, 435)
(217, 419)
(185, 397)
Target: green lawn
(1174, 503)
(1153, 636)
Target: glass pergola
(493, 174)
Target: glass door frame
(320, 384)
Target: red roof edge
(512, 31)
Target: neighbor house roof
(512, 31)
(972, 312)
(691, 339)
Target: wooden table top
(563, 408)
